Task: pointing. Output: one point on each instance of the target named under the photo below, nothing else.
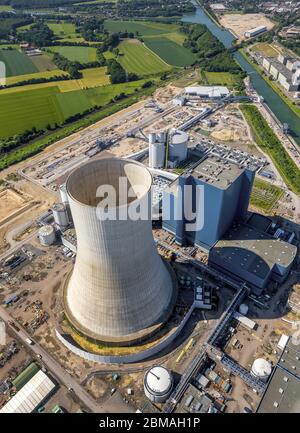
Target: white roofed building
(31, 395)
(211, 92)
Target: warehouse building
(31, 395)
(255, 32)
(283, 392)
(207, 92)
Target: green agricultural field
(24, 110)
(265, 195)
(81, 54)
(47, 74)
(93, 77)
(46, 104)
(103, 95)
(17, 63)
(137, 58)
(62, 29)
(169, 51)
(220, 78)
(43, 63)
(145, 28)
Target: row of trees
(117, 72)
(39, 35)
(154, 8)
(271, 145)
(211, 53)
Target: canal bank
(277, 105)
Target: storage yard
(238, 24)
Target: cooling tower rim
(99, 161)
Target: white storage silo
(261, 369)
(47, 235)
(157, 153)
(60, 214)
(158, 384)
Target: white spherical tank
(178, 145)
(261, 369)
(47, 235)
(60, 215)
(243, 309)
(158, 384)
(120, 289)
(157, 153)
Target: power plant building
(216, 192)
(120, 290)
(253, 256)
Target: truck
(29, 341)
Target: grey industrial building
(238, 245)
(283, 392)
(223, 198)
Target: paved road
(54, 367)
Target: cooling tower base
(124, 340)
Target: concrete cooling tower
(120, 290)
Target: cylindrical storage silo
(152, 138)
(60, 215)
(261, 369)
(157, 153)
(120, 289)
(178, 145)
(47, 235)
(158, 384)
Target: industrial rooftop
(282, 395)
(254, 251)
(217, 172)
(290, 358)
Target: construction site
(208, 348)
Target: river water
(281, 110)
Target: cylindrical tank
(120, 289)
(157, 155)
(158, 384)
(63, 194)
(47, 235)
(178, 145)
(60, 215)
(243, 309)
(152, 138)
(161, 137)
(261, 369)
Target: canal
(281, 110)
